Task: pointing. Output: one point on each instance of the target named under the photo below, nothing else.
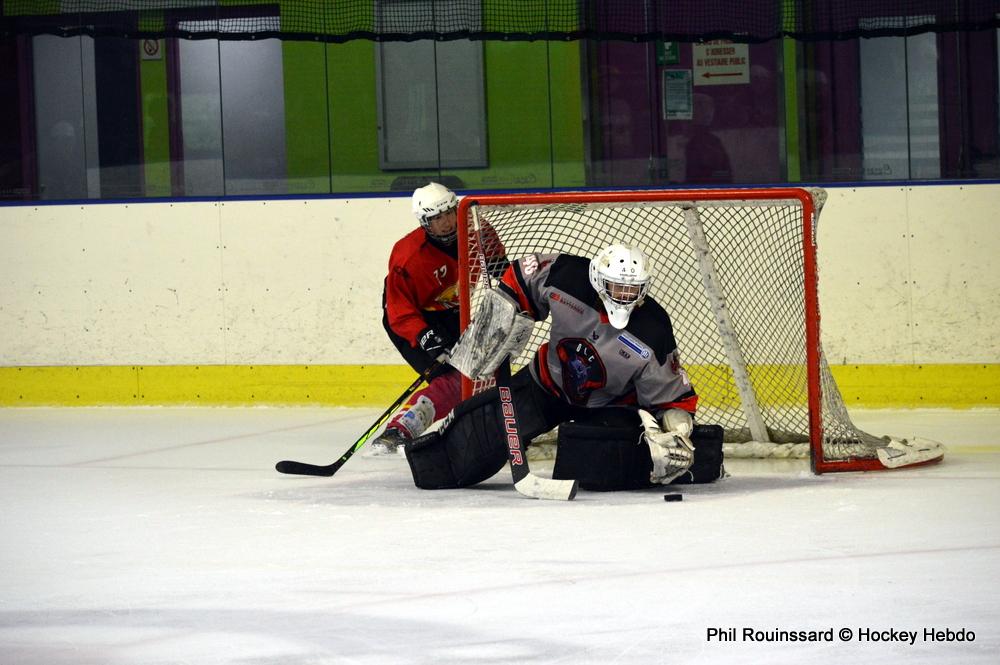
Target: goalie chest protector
(587, 361)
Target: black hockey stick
(525, 482)
(303, 469)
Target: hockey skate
(389, 442)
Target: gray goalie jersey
(587, 361)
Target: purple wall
(968, 110)
(734, 135)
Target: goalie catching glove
(498, 331)
(670, 446)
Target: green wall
(534, 111)
(535, 124)
(155, 124)
(353, 118)
(534, 118)
(306, 130)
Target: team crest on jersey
(448, 299)
(582, 369)
(634, 345)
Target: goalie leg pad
(471, 446)
(467, 450)
(609, 458)
(601, 457)
(708, 464)
(429, 463)
(450, 461)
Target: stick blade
(536, 487)
(303, 469)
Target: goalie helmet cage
(735, 269)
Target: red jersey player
(420, 311)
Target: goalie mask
(430, 203)
(620, 275)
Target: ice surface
(154, 536)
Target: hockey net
(736, 271)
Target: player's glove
(670, 446)
(433, 344)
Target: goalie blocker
(602, 448)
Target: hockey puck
(673, 497)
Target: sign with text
(721, 63)
(667, 53)
(677, 94)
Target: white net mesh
(758, 252)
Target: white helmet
(620, 275)
(430, 201)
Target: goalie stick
(526, 483)
(303, 469)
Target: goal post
(736, 269)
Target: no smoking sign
(152, 49)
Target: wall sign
(152, 49)
(721, 63)
(667, 53)
(677, 103)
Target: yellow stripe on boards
(866, 386)
(912, 386)
(67, 386)
(210, 385)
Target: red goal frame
(809, 279)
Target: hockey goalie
(609, 375)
